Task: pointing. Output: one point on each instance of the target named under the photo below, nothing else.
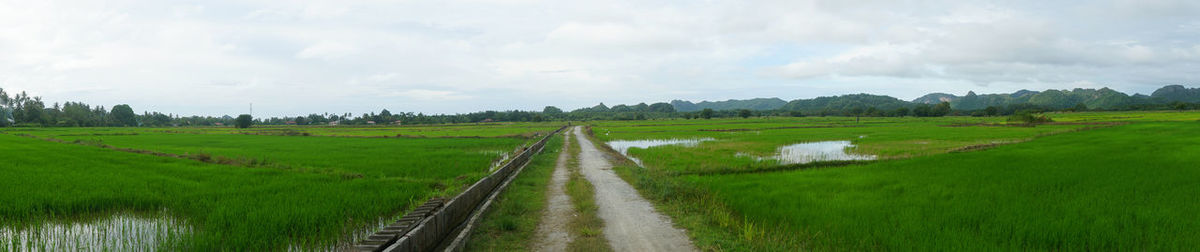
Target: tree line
(22, 109)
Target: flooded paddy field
(754, 144)
(623, 146)
(947, 183)
(162, 189)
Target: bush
(243, 121)
(1025, 117)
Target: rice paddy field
(443, 130)
(1087, 181)
(1090, 181)
(226, 189)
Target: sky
(216, 57)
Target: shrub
(243, 121)
(1025, 117)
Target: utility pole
(251, 109)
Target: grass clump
(1028, 118)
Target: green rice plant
(739, 146)
(272, 193)
(433, 158)
(1050, 187)
(1108, 189)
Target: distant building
(397, 122)
(371, 122)
(488, 120)
(291, 123)
(334, 123)
(219, 124)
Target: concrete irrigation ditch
(446, 224)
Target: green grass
(587, 227)
(1127, 116)
(230, 207)
(422, 158)
(885, 138)
(1125, 188)
(279, 191)
(512, 222)
(431, 131)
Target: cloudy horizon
(291, 58)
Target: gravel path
(630, 222)
(552, 234)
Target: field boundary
(454, 219)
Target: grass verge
(512, 224)
(586, 227)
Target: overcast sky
(215, 57)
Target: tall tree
(123, 115)
(244, 121)
(744, 113)
(35, 111)
(991, 111)
(5, 109)
(4, 100)
(942, 109)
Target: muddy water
(120, 232)
(815, 151)
(623, 146)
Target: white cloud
(327, 50)
(214, 57)
(431, 95)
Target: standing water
(623, 146)
(816, 151)
(120, 232)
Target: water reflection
(623, 146)
(816, 151)
(120, 232)
(501, 158)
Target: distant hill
(1103, 98)
(751, 104)
(935, 98)
(1173, 93)
(845, 102)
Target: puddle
(623, 146)
(120, 232)
(815, 151)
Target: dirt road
(630, 222)
(552, 234)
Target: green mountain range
(751, 104)
(1103, 98)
